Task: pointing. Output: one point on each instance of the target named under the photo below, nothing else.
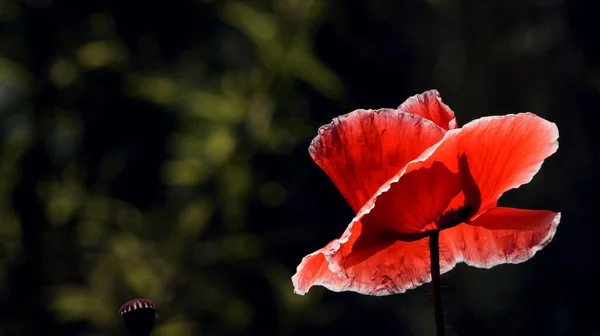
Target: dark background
(158, 149)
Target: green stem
(434, 252)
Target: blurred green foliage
(225, 117)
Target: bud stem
(434, 253)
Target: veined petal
(415, 201)
(500, 236)
(496, 154)
(370, 263)
(506, 152)
(361, 150)
(380, 266)
(429, 105)
(314, 270)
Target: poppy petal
(501, 153)
(503, 218)
(381, 267)
(384, 266)
(318, 267)
(314, 270)
(506, 152)
(361, 150)
(500, 236)
(429, 105)
(415, 201)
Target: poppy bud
(139, 316)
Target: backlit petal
(501, 153)
(415, 201)
(503, 218)
(429, 105)
(314, 270)
(500, 236)
(359, 151)
(380, 267)
(506, 152)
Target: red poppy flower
(410, 170)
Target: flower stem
(434, 253)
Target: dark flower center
(453, 217)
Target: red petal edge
(365, 271)
(429, 105)
(361, 150)
(399, 266)
(481, 247)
